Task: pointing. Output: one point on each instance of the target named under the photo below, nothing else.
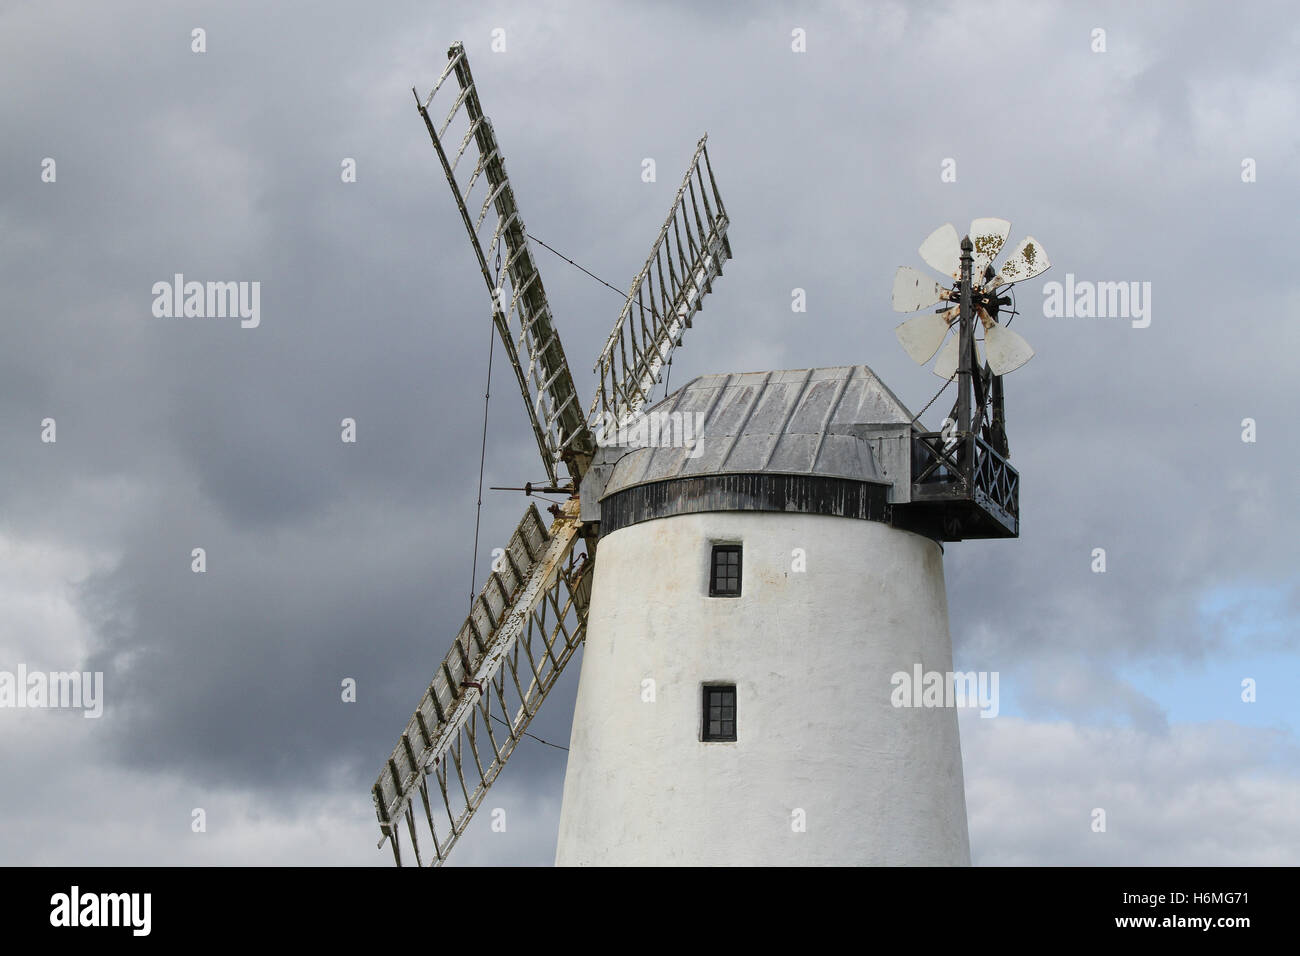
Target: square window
(719, 712)
(724, 571)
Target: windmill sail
(531, 615)
(665, 295)
(525, 625)
(519, 307)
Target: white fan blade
(946, 365)
(987, 235)
(1005, 350)
(922, 336)
(942, 250)
(913, 290)
(1026, 261)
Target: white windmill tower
(758, 558)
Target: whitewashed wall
(811, 654)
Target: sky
(1162, 150)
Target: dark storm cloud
(329, 560)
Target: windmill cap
(831, 422)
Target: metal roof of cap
(803, 421)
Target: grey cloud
(328, 560)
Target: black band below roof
(765, 491)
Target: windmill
(968, 265)
(530, 615)
(750, 574)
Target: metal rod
(964, 347)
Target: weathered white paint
(811, 655)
